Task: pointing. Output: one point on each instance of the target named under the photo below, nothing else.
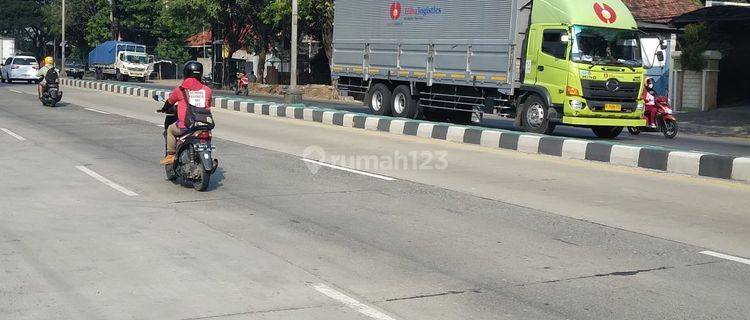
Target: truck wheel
(118, 75)
(379, 99)
(607, 132)
(98, 74)
(404, 104)
(536, 116)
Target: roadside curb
(648, 157)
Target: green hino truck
(541, 62)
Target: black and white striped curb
(648, 157)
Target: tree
(24, 21)
(178, 21)
(98, 29)
(87, 23)
(239, 23)
(137, 20)
(315, 20)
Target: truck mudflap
(611, 122)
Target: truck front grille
(597, 90)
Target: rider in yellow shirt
(49, 63)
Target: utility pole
(293, 95)
(62, 61)
(112, 19)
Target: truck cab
(585, 59)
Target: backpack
(197, 118)
(51, 76)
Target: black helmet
(193, 69)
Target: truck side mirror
(663, 44)
(660, 56)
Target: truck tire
(607, 132)
(118, 75)
(404, 104)
(379, 98)
(535, 117)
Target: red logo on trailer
(605, 13)
(395, 10)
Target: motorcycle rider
(42, 74)
(649, 97)
(198, 94)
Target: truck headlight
(577, 105)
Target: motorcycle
(194, 162)
(664, 119)
(242, 84)
(51, 93)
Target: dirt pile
(311, 91)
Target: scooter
(663, 117)
(51, 94)
(194, 162)
(242, 84)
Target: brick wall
(691, 89)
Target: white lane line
(726, 256)
(16, 91)
(97, 111)
(351, 302)
(106, 181)
(13, 134)
(323, 164)
(160, 125)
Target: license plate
(612, 107)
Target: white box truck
(7, 48)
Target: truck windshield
(605, 46)
(134, 59)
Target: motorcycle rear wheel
(202, 184)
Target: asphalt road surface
(731, 146)
(90, 229)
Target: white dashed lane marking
(323, 164)
(351, 302)
(726, 257)
(106, 181)
(97, 111)
(13, 134)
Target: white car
(19, 68)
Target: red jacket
(199, 96)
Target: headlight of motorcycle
(669, 111)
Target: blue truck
(120, 60)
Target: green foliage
(137, 20)
(98, 29)
(163, 27)
(694, 42)
(87, 23)
(24, 21)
